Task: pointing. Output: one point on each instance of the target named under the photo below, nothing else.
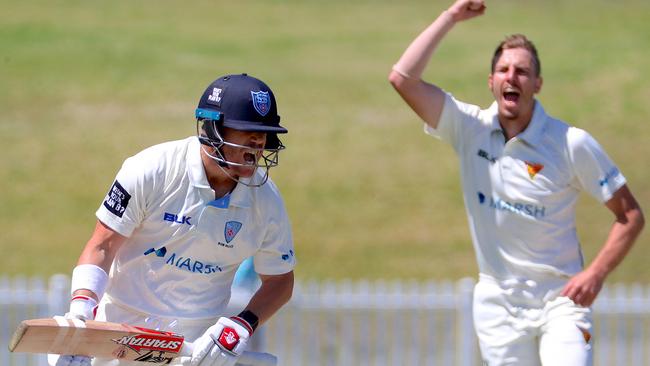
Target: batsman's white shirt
(183, 246)
(520, 195)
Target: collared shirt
(520, 195)
(183, 246)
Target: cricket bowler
(522, 171)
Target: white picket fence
(368, 323)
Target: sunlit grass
(86, 84)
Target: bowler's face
(514, 84)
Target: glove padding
(67, 360)
(82, 308)
(222, 343)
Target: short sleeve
(276, 254)
(124, 206)
(594, 171)
(457, 118)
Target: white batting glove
(67, 360)
(222, 343)
(83, 308)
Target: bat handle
(247, 358)
(187, 349)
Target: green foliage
(86, 84)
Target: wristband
(84, 306)
(89, 277)
(249, 318)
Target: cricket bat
(110, 340)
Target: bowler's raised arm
(424, 98)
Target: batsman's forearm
(419, 52)
(102, 246)
(99, 255)
(274, 292)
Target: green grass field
(85, 84)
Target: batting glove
(67, 360)
(81, 308)
(222, 343)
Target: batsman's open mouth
(250, 158)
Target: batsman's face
(246, 154)
(514, 84)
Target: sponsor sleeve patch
(117, 199)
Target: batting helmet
(243, 103)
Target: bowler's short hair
(517, 41)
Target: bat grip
(247, 358)
(187, 349)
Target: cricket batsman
(178, 220)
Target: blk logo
(484, 154)
(177, 219)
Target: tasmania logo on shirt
(533, 168)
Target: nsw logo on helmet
(261, 102)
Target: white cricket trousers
(110, 311)
(523, 323)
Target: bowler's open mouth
(511, 96)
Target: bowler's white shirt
(521, 195)
(183, 246)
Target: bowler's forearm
(416, 57)
(621, 237)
